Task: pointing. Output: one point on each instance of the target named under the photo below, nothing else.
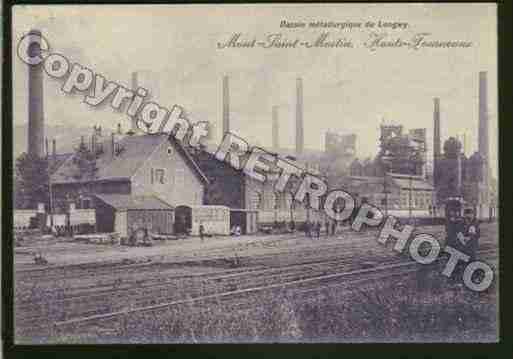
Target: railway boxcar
(215, 219)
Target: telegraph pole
(49, 163)
(409, 196)
(384, 161)
(385, 191)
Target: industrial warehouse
(332, 195)
(136, 166)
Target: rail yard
(95, 288)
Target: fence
(22, 218)
(78, 220)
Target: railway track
(163, 273)
(350, 278)
(86, 307)
(165, 289)
(105, 268)
(215, 258)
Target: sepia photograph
(255, 173)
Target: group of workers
(314, 228)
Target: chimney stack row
(299, 117)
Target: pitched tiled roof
(135, 150)
(212, 167)
(191, 161)
(124, 202)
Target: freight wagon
(215, 220)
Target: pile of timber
(156, 236)
(99, 238)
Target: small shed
(126, 213)
(247, 219)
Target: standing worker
(201, 231)
(307, 229)
(454, 229)
(472, 232)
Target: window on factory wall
(84, 203)
(157, 175)
(404, 199)
(259, 201)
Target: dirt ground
(65, 251)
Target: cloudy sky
(345, 90)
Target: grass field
(418, 305)
(386, 312)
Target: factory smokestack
(436, 129)
(135, 85)
(483, 118)
(299, 116)
(436, 140)
(483, 145)
(226, 105)
(36, 125)
(276, 129)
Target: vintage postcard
(300, 173)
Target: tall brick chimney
(36, 124)
(483, 121)
(133, 119)
(436, 141)
(226, 105)
(436, 129)
(483, 145)
(276, 128)
(299, 117)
